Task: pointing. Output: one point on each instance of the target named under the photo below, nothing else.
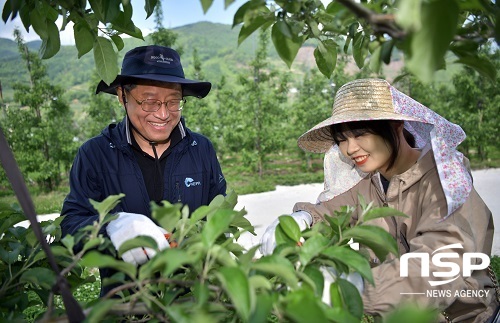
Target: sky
(176, 13)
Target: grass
(45, 203)
(281, 170)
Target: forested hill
(216, 44)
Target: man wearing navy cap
(149, 156)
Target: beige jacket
(418, 194)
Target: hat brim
(319, 138)
(189, 87)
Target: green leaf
(98, 260)
(170, 261)
(335, 296)
(297, 301)
(386, 51)
(284, 28)
(100, 309)
(249, 8)
(107, 66)
(340, 315)
(311, 248)
(69, 242)
(8, 219)
(123, 22)
(248, 28)
(317, 278)
(262, 308)
(167, 215)
(39, 23)
(481, 65)
(50, 45)
(223, 256)
(430, 43)
(84, 38)
(58, 251)
(375, 60)
(409, 14)
(259, 282)
(240, 221)
(381, 212)
(216, 225)
(200, 213)
(277, 266)
(290, 227)
(93, 243)
(326, 57)
(10, 257)
(376, 238)
(43, 277)
(463, 48)
(286, 47)
(351, 298)
(201, 293)
(282, 238)
(351, 258)
(206, 4)
(359, 49)
(149, 7)
(235, 284)
(111, 201)
(138, 242)
(118, 41)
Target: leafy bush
(208, 277)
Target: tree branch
(381, 24)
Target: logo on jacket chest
(189, 182)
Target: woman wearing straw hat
(368, 153)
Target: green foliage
(471, 102)
(257, 112)
(416, 27)
(26, 278)
(208, 277)
(40, 132)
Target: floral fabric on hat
(444, 137)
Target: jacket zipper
(402, 237)
(178, 189)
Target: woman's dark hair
(383, 128)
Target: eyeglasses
(153, 105)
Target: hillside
(216, 44)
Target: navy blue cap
(155, 63)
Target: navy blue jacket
(105, 165)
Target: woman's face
(368, 151)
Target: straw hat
(359, 100)
(375, 99)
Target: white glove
(330, 275)
(268, 240)
(130, 225)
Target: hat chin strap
(151, 142)
(158, 179)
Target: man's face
(155, 126)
